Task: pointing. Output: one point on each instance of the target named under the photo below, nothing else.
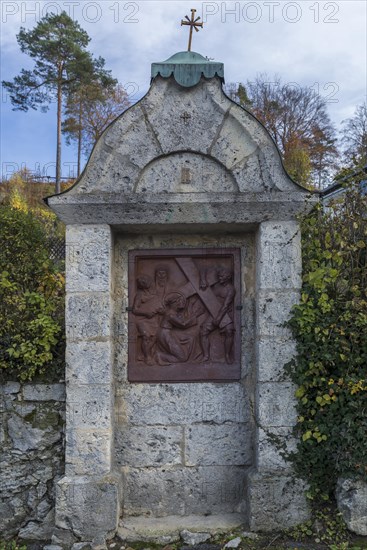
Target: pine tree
(58, 46)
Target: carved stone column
(275, 497)
(88, 499)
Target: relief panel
(184, 315)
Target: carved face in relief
(175, 300)
(161, 275)
(144, 282)
(224, 275)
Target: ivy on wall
(330, 327)
(31, 297)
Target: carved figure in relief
(176, 319)
(224, 292)
(161, 281)
(174, 343)
(147, 306)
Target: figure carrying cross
(193, 23)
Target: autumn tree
(58, 46)
(297, 119)
(90, 110)
(354, 137)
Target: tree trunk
(58, 140)
(79, 135)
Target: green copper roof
(187, 68)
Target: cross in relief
(185, 117)
(193, 23)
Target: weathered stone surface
(272, 356)
(88, 316)
(149, 446)
(194, 538)
(88, 452)
(81, 546)
(273, 311)
(276, 501)
(88, 258)
(44, 392)
(167, 529)
(227, 444)
(351, 497)
(182, 404)
(39, 531)
(278, 250)
(234, 543)
(88, 507)
(276, 404)
(89, 406)
(10, 388)
(31, 457)
(202, 490)
(25, 438)
(88, 362)
(271, 446)
(178, 212)
(162, 176)
(170, 129)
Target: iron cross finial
(193, 25)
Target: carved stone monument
(183, 262)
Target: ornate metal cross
(193, 23)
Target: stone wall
(31, 457)
(184, 448)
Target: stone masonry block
(149, 446)
(221, 445)
(88, 507)
(205, 490)
(271, 446)
(274, 309)
(276, 501)
(276, 404)
(88, 316)
(279, 256)
(88, 258)
(182, 404)
(88, 362)
(272, 355)
(88, 452)
(89, 407)
(44, 392)
(198, 137)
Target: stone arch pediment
(185, 172)
(201, 120)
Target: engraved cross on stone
(193, 23)
(185, 117)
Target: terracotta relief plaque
(184, 315)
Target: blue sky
(309, 43)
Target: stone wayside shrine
(183, 262)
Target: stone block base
(276, 501)
(168, 529)
(88, 507)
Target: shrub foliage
(31, 297)
(330, 326)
